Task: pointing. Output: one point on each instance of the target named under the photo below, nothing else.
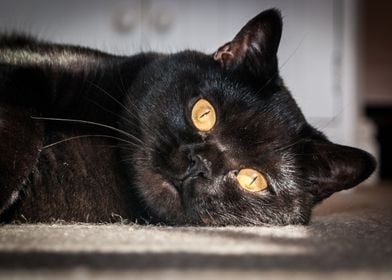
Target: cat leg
(20, 141)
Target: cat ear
(254, 48)
(331, 167)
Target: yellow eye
(203, 115)
(251, 180)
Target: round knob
(163, 20)
(124, 20)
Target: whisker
(132, 114)
(127, 160)
(321, 126)
(136, 158)
(91, 123)
(282, 65)
(111, 97)
(123, 147)
(289, 145)
(294, 52)
(87, 136)
(109, 111)
(124, 88)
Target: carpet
(349, 237)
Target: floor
(350, 237)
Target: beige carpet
(350, 237)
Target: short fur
(88, 136)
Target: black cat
(185, 138)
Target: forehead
(176, 81)
(181, 78)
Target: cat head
(225, 143)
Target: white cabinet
(316, 54)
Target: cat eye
(203, 115)
(251, 180)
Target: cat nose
(198, 167)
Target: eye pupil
(254, 179)
(205, 114)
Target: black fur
(129, 136)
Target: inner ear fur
(255, 46)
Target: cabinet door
(116, 26)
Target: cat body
(92, 137)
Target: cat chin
(170, 205)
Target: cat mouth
(181, 185)
(173, 185)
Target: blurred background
(335, 56)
